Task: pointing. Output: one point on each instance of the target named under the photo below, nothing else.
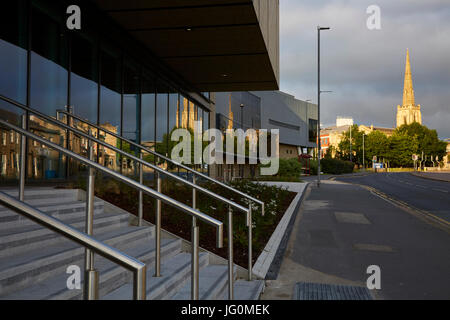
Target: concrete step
(213, 284)
(30, 237)
(63, 211)
(175, 273)
(111, 275)
(26, 269)
(247, 290)
(34, 260)
(42, 195)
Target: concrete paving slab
(350, 217)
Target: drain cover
(319, 291)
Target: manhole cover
(319, 291)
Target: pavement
(331, 176)
(342, 229)
(268, 263)
(430, 196)
(440, 176)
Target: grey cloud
(365, 68)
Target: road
(343, 228)
(429, 195)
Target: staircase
(34, 259)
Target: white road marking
(440, 190)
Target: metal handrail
(195, 187)
(191, 211)
(248, 212)
(143, 148)
(231, 204)
(137, 267)
(117, 150)
(91, 284)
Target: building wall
(408, 115)
(97, 75)
(288, 151)
(267, 12)
(291, 116)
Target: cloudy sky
(365, 68)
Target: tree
(401, 148)
(376, 144)
(356, 142)
(428, 141)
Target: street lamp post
(319, 147)
(364, 165)
(242, 116)
(351, 153)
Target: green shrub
(336, 166)
(313, 167)
(291, 167)
(288, 168)
(276, 200)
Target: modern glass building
(296, 121)
(237, 110)
(137, 68)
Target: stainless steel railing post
(91, 275)
(23, 157)
(141, 147)
(86, 240)
(140, 283)
(195, 251)
(250, 242)
(141, 194)
(194, 261)
(158, 230)
(137, 267)
(230, 255)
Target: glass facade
(230, 114)
(312, 133)
(47, 67)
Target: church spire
(408, 91)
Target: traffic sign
(378, 166)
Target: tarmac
(342, 229)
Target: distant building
(332, 136)
(447, 157)
(408, 112)
(369, 129)
(295, 119)
(342, 121)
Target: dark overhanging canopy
(220, 45)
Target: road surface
(342, 229)
(431, 196)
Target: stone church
(409, 112)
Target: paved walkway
(291, 186)
(330, 176)
(441, 176)
(342, 229)
(269, 261)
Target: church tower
(409, 112)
